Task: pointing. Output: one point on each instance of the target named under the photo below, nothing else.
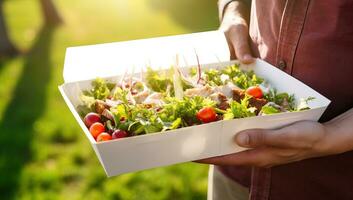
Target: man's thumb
(251, 138)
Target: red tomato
(103, 137)
(206, 114)
(255, 91)
(96, 129)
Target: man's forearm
(341, 132)
(234, 24)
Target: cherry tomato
(103, 137)
(206, 115)
(119, 134)
(255, 91)
(96, 129)
(91, 118)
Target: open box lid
(103, 60)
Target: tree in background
(50, 15)
(7, 48)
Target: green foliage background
(43, 153)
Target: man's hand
(292, 143)
(235, 27)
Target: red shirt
(313, 41)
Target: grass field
(43, 153)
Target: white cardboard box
(186, 144)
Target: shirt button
(282, 64)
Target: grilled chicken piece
(113, 103)
(238, 95)
(100, 106)
(227, 90)
(224, 105)
(257, 103)
(207, 90)
(140, 97)
(204, 91)
(221, 99)
(154, 98)
(218, 94)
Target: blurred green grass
(43, 153)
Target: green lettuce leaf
(239, 110)
(268, 110)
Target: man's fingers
(261, 137)
(238, 37)
(253, 157)
(234, 25)
(286, 137)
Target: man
(313, 41)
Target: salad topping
(170, 100)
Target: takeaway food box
(110, 61)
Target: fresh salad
(162, 101)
